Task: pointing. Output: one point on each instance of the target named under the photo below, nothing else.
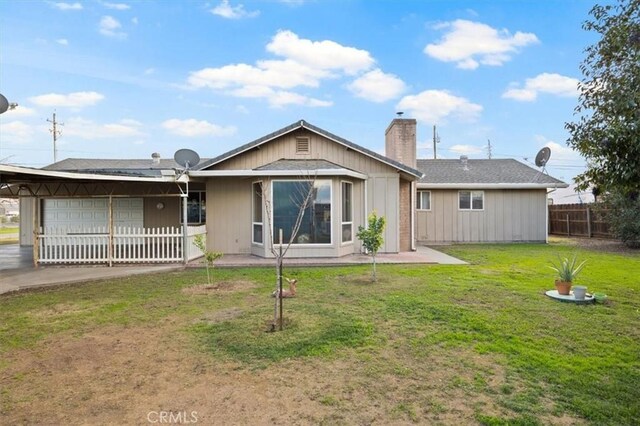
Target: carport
(93, 230)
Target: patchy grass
(425, 344)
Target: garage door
(80, 214)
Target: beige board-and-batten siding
(319, 148)
(229, 221)
(229, 199)
(508, 216)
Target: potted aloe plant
(567, 271)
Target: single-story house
(242, 197)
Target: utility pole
(489, 148)
(436, 140)
(55, 132)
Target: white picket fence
(194, 252)
(124, 245)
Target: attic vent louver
(302, 145)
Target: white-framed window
(315, 227)
(196, 208)
(471, 200)
(256, 213)
(346, 189)
(423, 200)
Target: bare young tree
(301, 198)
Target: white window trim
(471, 209)
(294, 245)
(430, 200)
(342, 223)
(253, 210)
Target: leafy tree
(371, 237)
(607, 130)
(623, 216)
(209, 256)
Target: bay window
(288, 196)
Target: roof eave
(422, 185)
(277, 173)
(80, 176)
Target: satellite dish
(4, 104)
(543, 157)
(186, 158)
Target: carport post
(36, 230)
(110, 248)
(185, 226)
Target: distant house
(235, 194)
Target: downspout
(412, 199)
(546, 207)
(365, 222)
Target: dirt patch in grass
(219, 287)
(130, 374)
(596, 244)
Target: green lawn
(483, 335)
(9, 230)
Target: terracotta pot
(563, 287)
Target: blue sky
(130, 78)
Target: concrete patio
(18, 273)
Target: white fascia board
(81, 176)
(491, 185)
(296, 173)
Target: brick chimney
(400, 141)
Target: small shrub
(209, 256)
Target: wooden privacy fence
(578, 220)
(123, 245)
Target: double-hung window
(471, 200)
(347, 211)
(423, 200)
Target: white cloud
(435, 106)
(376, 86)
(110, 27)
(227, 11)
(67, 6)
(554, 84)
(306, 64)
(134, 20)
(16, 132)
(63, 41)
(196, 128)
(20, 111)
(88, 129)
(470, 44)
(72, 100)
(116, 6)
(320, 55)
(467, 149)
(280, 74)
(242, 109)
(278, 98)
